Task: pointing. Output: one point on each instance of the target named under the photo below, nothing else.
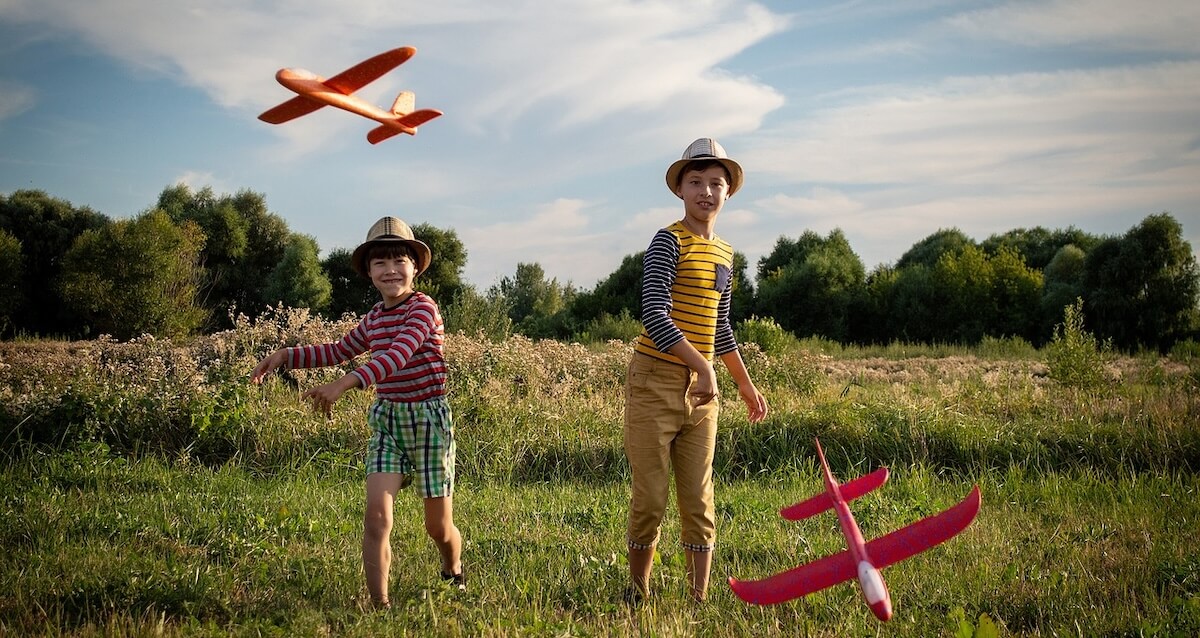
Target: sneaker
(458, 581)
(633, 596)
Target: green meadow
(146, 488)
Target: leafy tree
(11, 297)
(1038, 245)
(1016, 292)
(136, 276)
(616, 295)
(245, 244)
(928, 251)
(787, 251)
(474, 314)
(1063, 285)
(963, 282)
(872, 319)
(444, 279)
(1142, 288)
(812, 294)
(45, 226)
(350, 292)
(534, 302)
(742, 299)
(912, 304)
(298, 281)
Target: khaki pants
(664, 432)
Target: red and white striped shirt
(407, 364)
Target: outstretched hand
(323, 397)
(269, 364)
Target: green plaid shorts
(416, 440)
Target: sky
(887, 120)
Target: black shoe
(633, 596)
(458, 581)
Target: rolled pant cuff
(699, 548)
(638, 546)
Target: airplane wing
(886, 550)
(411, 121)
(798, 581)
(850, 490)
(925, 533)
(369, 70)
(290, 110)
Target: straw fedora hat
(701, 149)
(390, 230)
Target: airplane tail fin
(821, 502)
(406, 102)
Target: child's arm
(324, 396)
(705, 388)
(269, 364)
(756, 404)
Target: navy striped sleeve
(658, 275)
(724, 342)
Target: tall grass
(147, 487)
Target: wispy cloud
(15, 99)
(1161, 26)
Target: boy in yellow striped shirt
(671, 402)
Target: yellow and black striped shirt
(686, 286)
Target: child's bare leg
(377, 529)
(641, 562)
(439, 524)
(699, 564)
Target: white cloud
(580, 60)
(1023, 129)
(555, 236)
(1163, 25)
(15, 99)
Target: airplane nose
(882, 610)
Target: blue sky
(888, 120)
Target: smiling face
(392, 270)
(703, 191)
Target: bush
(770, 337)
(1075, 357)
(1186, 351)
(606, 327)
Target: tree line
(194, 260)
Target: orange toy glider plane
(314, 92)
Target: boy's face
(704, 193)
(393, 276)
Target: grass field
(146, 488)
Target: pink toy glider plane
(861, 560)
(314, 92)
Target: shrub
(606, 327)
(1075, 357)
(1186, 351)
(770, 337)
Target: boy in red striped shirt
(412, 430)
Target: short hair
(703, 165)
(389, 250)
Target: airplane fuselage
(313, 87)
(874, 590)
